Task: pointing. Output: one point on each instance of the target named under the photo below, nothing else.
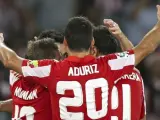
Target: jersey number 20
(77, 101)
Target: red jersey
(30, 100)
(80, 87)
(127, 101)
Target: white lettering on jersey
(77, 100)
(83, 70)
(132, 76)
(26, 95)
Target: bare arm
(6, 106)
(9, 58)
(124, 42)
(114, 28)
(149, 43)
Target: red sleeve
(119, 64)
(38, 70)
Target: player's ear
(93, 51)
(92, 42)
(65, 42)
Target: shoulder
(136, 71)
(38, 63)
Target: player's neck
(79, 54)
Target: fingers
(1, 37)
(158, 7)
(109, 22)
(113, 29)
(158, 10)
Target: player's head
(105, 42)
(53, 34)
(56, 35)
(79, 35)
(42, 49)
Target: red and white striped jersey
(30, 100)
(128, 101)
(80, 87)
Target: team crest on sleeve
(33, 63)
(122, 54)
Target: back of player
(80, 85)
(127, 101)
(82, 90)
(30, 101)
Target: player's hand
(158, 12)
(1, 38)
(113, 27)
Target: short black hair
(105, 42)
(42, 49)
(58, 36)
(79, 34)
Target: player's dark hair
(105, 42)
(42, 49)
(54, 34)
(79, 34)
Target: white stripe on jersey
(40, 72)
(144, 102)
(120, 63)
(13, 78)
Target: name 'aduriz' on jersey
(83, 70)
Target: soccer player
(30, 100)
(6, 106)
(81, 84)
(127, 99)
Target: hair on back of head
(54, 34)
(79, 34)
(42, 49)
(105, 42)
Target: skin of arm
(9, 58)
(114, 28)
(6, 106)
(150, 41)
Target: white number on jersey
(77, 101)
(27, 111)
(126, 95)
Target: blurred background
(21, 20)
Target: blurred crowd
(21, 20)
